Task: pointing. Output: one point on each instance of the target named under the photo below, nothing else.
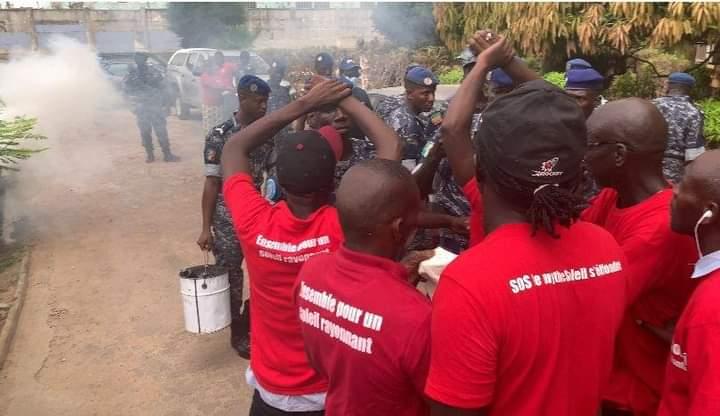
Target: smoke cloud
(73, 100)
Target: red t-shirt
(692, 377)
(472, 192)
(368, 331)
(276, 244)
(213, 84)
(659, 266)
(526, 325)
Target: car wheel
(182, 110)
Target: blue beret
(577, 63)
(254, 85)
(466, 57)
(324, 58)
(584, 79)
(500, 78)
(347, 64)
(682, 78)
(421, 76)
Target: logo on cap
(319, 58)
(274, 65)
(427, 81)
(546, 168)
(253, 87)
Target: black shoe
(150, 157)
(241, 345)
(169, 157)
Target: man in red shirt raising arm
(626, 141)
(692, 376)
(278, 239)
(366, 329)
(524, 322)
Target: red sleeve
(416, 359)
(245, 203)
(463, 364)
(703, 353)
(472, 192)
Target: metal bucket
(205, 294)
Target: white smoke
(69, 94)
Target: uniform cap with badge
(421, 76)
(253, 84)
(347, 64)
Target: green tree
(210, 25)
(406, 24)
(606, 31)
(13, 134)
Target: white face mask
(706, 215)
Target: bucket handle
(207, 262)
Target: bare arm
(425, 172)
(427, 219)
(236, 153)
(386, 141)
(211, 189)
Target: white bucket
(205, 293)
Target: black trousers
(260, 408)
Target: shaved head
(698, 192)
(625, 137)
(634, 121)
(373, 197)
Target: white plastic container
(205, 294)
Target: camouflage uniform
(387, 105)
(146, 90)
(412, 129)
(685, 133)
(226, 247)
(362, 149)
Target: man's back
(526, 325)
(276, 244)
(367, 330)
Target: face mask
(706, 215)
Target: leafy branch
(13, 134)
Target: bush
(642, 84)
(12, 135)
(555, 78)
(711, 108)
(452, 76)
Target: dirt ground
(101, 332)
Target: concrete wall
(147, 29)
(296, 29)
(107, 30)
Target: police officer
(685, 121)
(145, 85)
(585, 84)
(324, 64)
(413, 129)
(350, 70)
(218, 233)
(282, 91)
(389, 103)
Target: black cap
(305, 163)
(535, 134)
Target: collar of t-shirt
(355, 260)
(706, 265)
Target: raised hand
(326, 92)
(499, 53)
